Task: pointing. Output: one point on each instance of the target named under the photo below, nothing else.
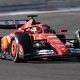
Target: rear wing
(11, 24)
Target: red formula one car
(32, 40)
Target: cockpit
(40, 29)
(47, 29)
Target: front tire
(20, 46)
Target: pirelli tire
(20, 46)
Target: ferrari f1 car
(31, 40)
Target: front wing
(45, 54)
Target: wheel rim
(13, 48)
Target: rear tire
(20, 46)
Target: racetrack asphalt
(65, 69)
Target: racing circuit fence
(15, 5)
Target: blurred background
(59, 20)
(19, 5)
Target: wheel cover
(13, 48)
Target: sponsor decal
(56, 41)
(50, 51)
(77, 51)
(10, 22)
(8, 38)
(51, 36)
(46, 52)
(73, 50)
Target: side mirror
(63, 30)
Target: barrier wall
(14, 5)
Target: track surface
(45, 70)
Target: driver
(33, 30)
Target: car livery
(32, 40)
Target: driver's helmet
(33, 30)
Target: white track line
(38, 12)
